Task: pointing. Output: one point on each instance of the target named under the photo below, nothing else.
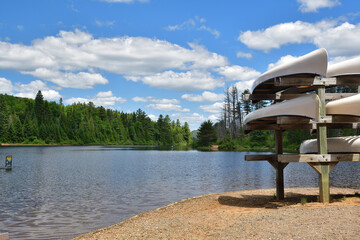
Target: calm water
(61, 192)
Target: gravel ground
(246, 215)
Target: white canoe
(335, 145)
(305, 106)
(344, 106)
(348, 67)
(312, 64)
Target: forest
(29, 121)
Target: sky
(172, 57)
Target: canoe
(344, 106)
(335, 145)
(307, 66)
(348, 67)
(306, 106)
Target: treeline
(228, 132)
(38, 121)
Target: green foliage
(228, 143)
(207, 134)
(38, 121)
(303, 200)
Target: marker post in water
(8, 163)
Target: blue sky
(172, 57)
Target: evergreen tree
(39, 112)
(207, 133)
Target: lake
(61, 192)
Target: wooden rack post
(279, 167)
(323, 169)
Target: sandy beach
(253, 214)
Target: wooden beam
(287, 96)
(264, 126)
(279, 167)
(261, 157)
(318, 158)
(292, 81)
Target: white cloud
(5, 86)
(153, 117)
(243, 85)
(30, 90)
(107, 99)
(104, 23)
(167, 107)
(204, 97)
(72, 59)
(155, 100)
(214, 32)
(76, 100)
(180, 81)
(196, 24)
(213, 118)
(213, 108)
(81, 80)
(244, 55)
(284, 33)
(340, 39)
(314, 5)
(100, 99)
(238, 73)
(194, 119)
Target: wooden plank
(304, 82)
(280, 96)
(345, 119)
(261, 157)
(315, 158)
(351, 80)
(251, 127)
(292, 120)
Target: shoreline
(220, 215)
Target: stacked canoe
(299, 104)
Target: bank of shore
(252, 214)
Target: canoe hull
(306, 106)
(335, 145)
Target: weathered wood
(261, 157)
(273, 126)
(292, 81)
(280, 189)
(292, 120)
(323, 169)
(321, 128)
(281, 96)
(316, 158)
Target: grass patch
(303, 200)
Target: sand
(253, 214)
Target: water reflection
(61, 192)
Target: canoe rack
(285, 88)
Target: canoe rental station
(301, 102)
